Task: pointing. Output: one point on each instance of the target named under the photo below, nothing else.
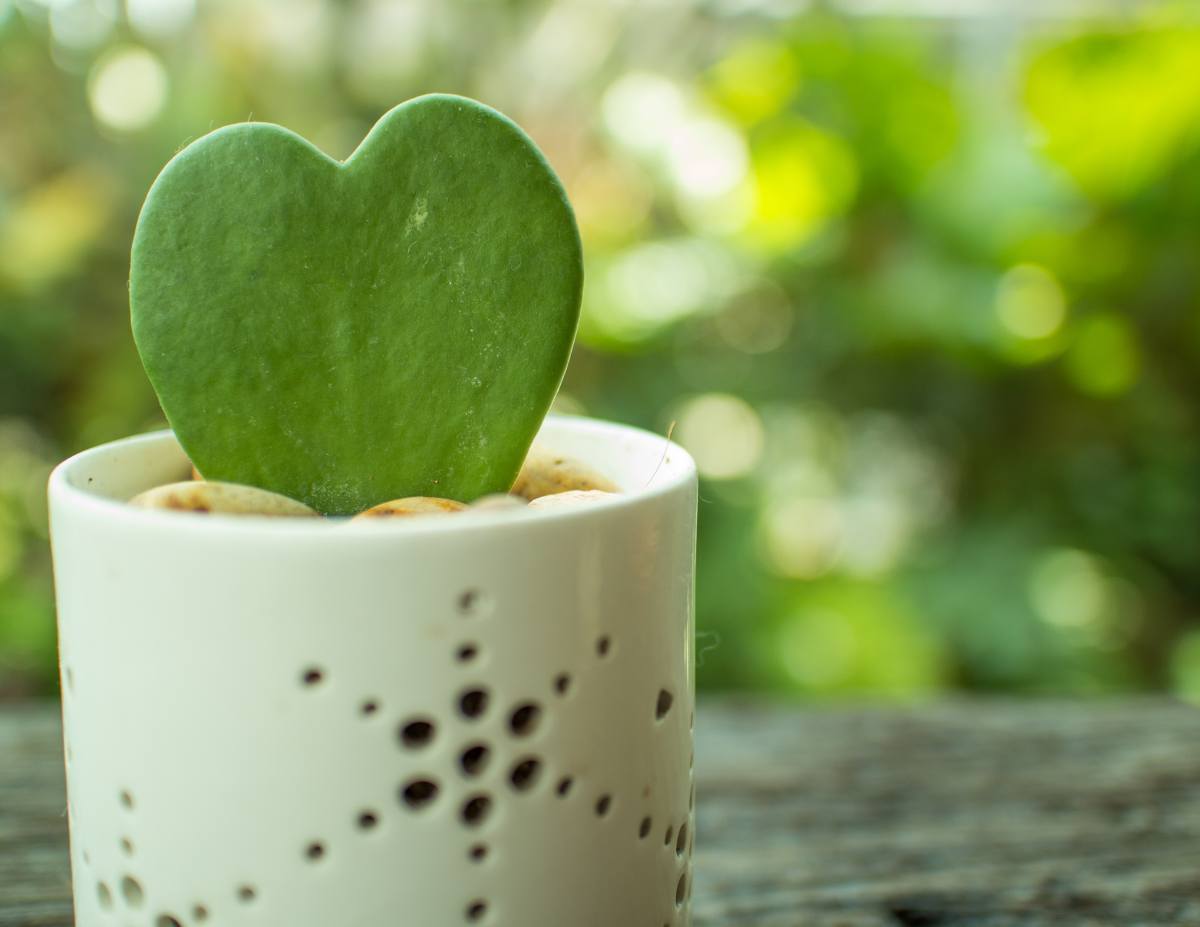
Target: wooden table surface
(984, 814)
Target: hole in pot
(466, 653)
(525, 718)
(167, 920)
(367, 820)
(476, 910)
(199, 913)
(417, 733)
(368, 708)
(604, 646)
(315, 851)
(474, 759)
(127, 800)
(419, 793)
(471, 602)
(663, 706)
(562, 682)
(104, 896)
(681, 840)
(670, 835)
(126, 846)
(644, 829)
(478, 852)
(476, 809)
(312, 676)
(681, 890)
(603, 805)
(564, 786)
(473, 703)
(525, 774)
(246, 893)
(131, 891)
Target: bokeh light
(1103, 359)
(803, 535)
(862, 639)
(159, 18)
(723, 433)
(756, 79)
(47, 230)
(128, 88)
(648, 287)
(643, 111)
(1030, 302)
(757, 320)
(707, 158)
(804, 176)
(1068, 589)
(83, 24)
(1185, 667)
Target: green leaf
(348, 333)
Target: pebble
(410, 506)
(498, 501)
(222, 498)
(571, 499)
(546, 472)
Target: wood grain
(35, 887)
(989, 814)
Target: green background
(917, 283)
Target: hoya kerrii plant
(379, 336)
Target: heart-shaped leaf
(348, 333)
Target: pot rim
(676, 471)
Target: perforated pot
(482, 718)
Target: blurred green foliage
(921, 295)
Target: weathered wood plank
(35, 888)
(990, 814)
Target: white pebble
(571, 499)
(223, 498)
(410, 506)
(498, 502)
(546, 472)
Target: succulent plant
(347, 333)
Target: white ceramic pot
(482, 718)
